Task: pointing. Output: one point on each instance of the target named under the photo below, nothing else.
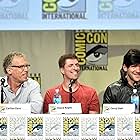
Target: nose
(26, 68)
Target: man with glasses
(16, 86)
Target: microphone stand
(135, 85)
(2, 91)
(70, 90)
(2, 94)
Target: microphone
(72, 81)
(2, 81)
(2, 91)
(136, 84)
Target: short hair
(9, 58)
(132, 57)
(63, 59)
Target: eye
(74, 127)
(55, 127)
(38, 127)
(96, 53)
(8, 3)
(109, 127)
(123, 3)
(3, 126)
(67, 3)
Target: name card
(118, 108)
(15, 109)
(65, 108)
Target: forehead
(135, 65)
(71, 61)
(18, 59)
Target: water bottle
(57, 97)
(135, 100)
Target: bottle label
(57, 100)
(135, 100)
(57, 97)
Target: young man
(87, 96)
(121, 91)
(17, 87)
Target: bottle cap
(134, 90)
(57, 90)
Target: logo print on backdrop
(53, 126)
(35, 126)
(91, 48)
(106, 126)
(14, 9)
(70, 126)
(118, 9)
(125, 126)
(62, 4)
(63, 9)
(17, 126)
(36, 76)
(89, 126)
(3, 126)
(137, 126)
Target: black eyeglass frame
(21, 66)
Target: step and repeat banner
(70, 127)
(91, 49)
(69, 14)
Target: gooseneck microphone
(72, 81)
(2, 91)
(136, 84)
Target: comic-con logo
(123, 3)
(8, 3)
(2, 109)
(106, 109)
(53, 108)
(91, 49)
(14, 9)
(63, 9)
(107, 6)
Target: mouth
(75, 73)
(25, 75)
(137, 75)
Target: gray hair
(9, 58)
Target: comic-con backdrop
(100, 53)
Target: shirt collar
(25, 84)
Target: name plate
(15, 109)
(65, 108)
(118, 108)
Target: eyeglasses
(22, 66)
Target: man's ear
(125, 68)
(9, 70)
(62, 70)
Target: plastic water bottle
(57, 97)
(135, 100)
